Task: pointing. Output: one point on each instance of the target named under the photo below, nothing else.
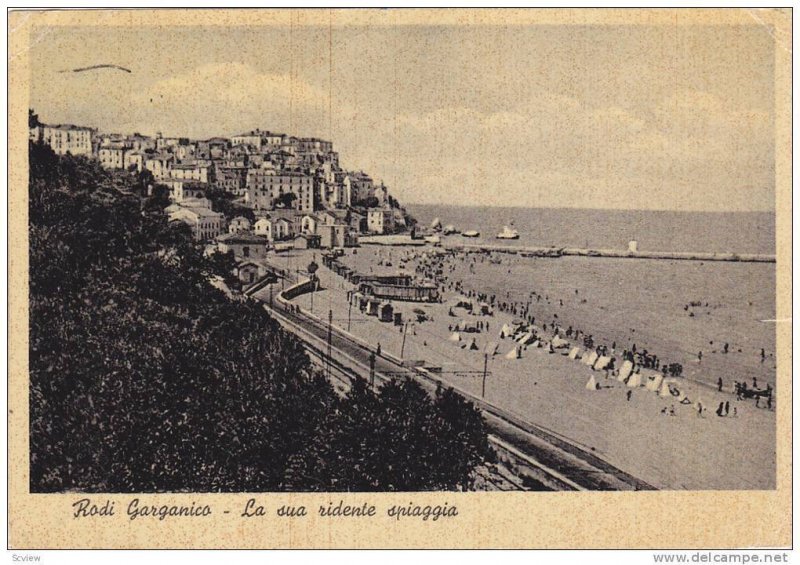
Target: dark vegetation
(145, 378)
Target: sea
(654, 230)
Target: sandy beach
(638, 435)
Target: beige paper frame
(719, 519)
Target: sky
(628, 117)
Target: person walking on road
(378, 349)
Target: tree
(286, 200)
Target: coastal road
(548, 458)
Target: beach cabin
(372, 306)
(385, 312)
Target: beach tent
(666, 389)
(654, 382)
(505, 331)
(602, 362)
(590, 360)
(491, 348)
(635, 380)
(591, 384)
(455, 336)
(537, 343)
(559, 343)
(574, 352)
(624, 371)
(514, 353)
(526, 338)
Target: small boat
(449, 229)
(471, 233)
(436, 224)
(508, 233)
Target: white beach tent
(526, 338)
(624, 371)
(455, 336)
(591, 384)
(590, 360)
(665, 391)
(574, 352)
(491, 348)
(602, 362)
(653, 382)
(559, 343)
(505, 331)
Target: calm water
(734, 232)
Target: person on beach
(672, 410)
(700, 357)
(721, 409)
(758, 401)
(629, 394)
(727, 407)
(719, 384)
(763, 355)
(378, 349)
(755, 382)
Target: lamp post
(403, 346)
(485, 363)
(349, 309)
(372, 370)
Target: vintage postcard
(466, 278)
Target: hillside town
(246, 193)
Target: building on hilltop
(64, 138)
(380, 220)
(267, 189)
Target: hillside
(145, 378)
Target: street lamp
(483, 385)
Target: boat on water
(449, 229)
(508, 233)
(471, 233)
